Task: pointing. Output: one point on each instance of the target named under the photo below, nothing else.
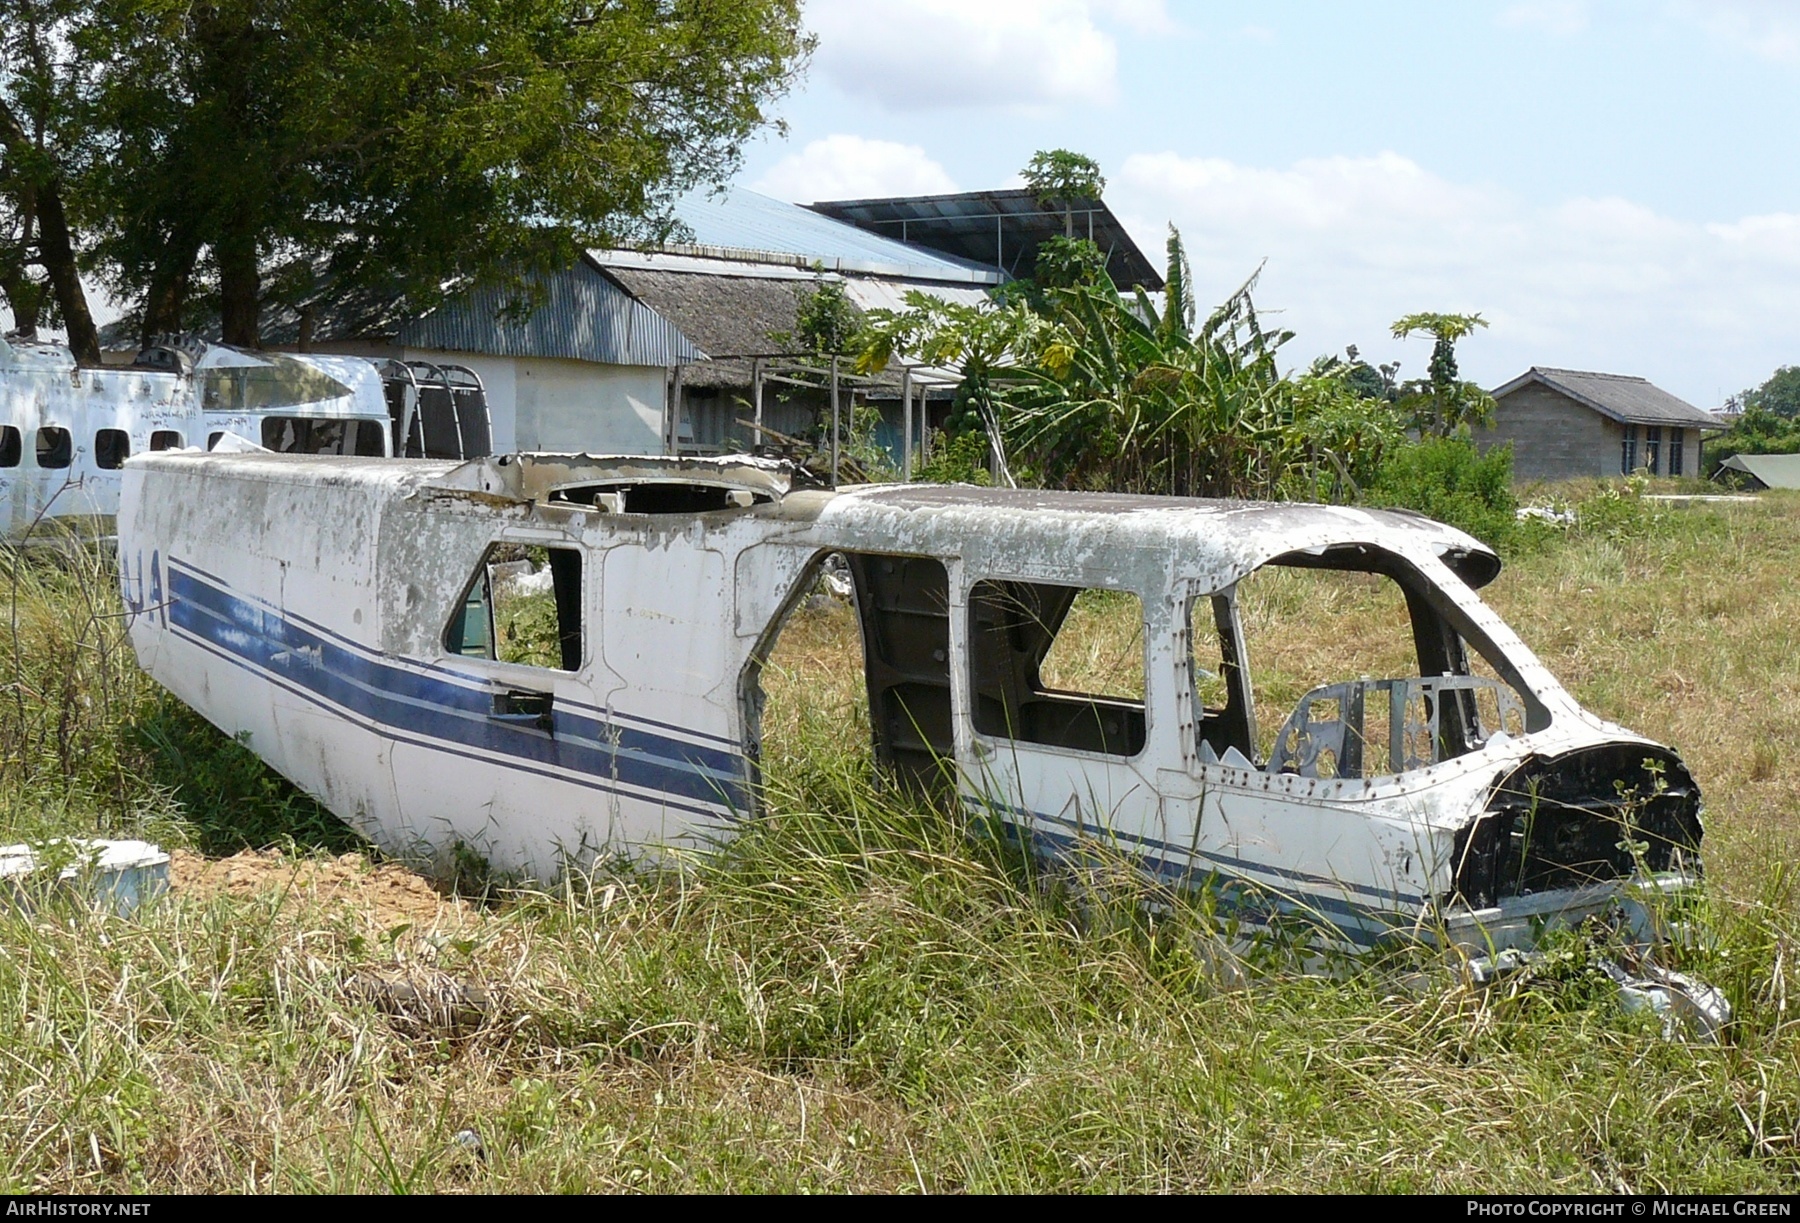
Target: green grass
(864, 994)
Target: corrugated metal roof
(739, 223)
(582, 316)
(998, 228)
(1633, 401)
(1772, 470)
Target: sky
(1612, 185)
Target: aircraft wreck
(66, 431)
(342, 613)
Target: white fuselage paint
(42, 389)
(304, 602)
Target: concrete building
(1566, 423)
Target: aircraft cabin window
(314, 435)
(55, 448)
(1357, 672)
(522, 605)
(167, 439)
(11, 449)
(111, 448)
(1058, 666)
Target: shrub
(1448, 479)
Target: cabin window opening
(1058, 666)
(316, 435)
(111, 448)
(1224, 730)
(1357, 671)
(55, 447)
(660, 497)
(858, 669)
(213, 439)
(167, 439)
(12, 448)
(522, 605)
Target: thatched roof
(729, 318)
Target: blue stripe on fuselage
(444, 711)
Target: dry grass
(862, 996)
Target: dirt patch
(386, 896)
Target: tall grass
(865, 993)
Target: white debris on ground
(1553, 515)
(119, 874)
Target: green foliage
(324, 151)
(1443, 403)
(1780, 395)
(1755, 431)
(1067, 263)
(1059, 176)
(1446, 478)
(956, 458)
(826, 322)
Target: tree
(40, 137)
(299, 151)
(1779, 396)
(1058, 176)
(1442, 403)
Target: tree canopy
(1062, 177)
(1442, 403)
(240, 153)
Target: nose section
(1582, 818)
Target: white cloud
(918, 54)
(845, 167)
(1353, 243)
(1562, 18)
(1767, 28)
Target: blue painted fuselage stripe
(1236, 888)
(443, 712)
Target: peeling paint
(334, 611)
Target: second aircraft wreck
(341, 612)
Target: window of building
(313, 435)
(11, 448)
(1628, 451)
(1677, 460)
(1652, 447)
(55, 448)
(522, 605)
(167, 439)
(111, 448)
(1058, 666)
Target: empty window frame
(1224, 721)
(1628, 459)
(522, 605)
(314, 435)
(1359, 668)
(55, 447)
(111, 448)
(1677, 461)
(1058, 666)
(167, 439)
(213, 439)
(1652, 447)
(12, 448)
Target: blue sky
(1613, 185)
